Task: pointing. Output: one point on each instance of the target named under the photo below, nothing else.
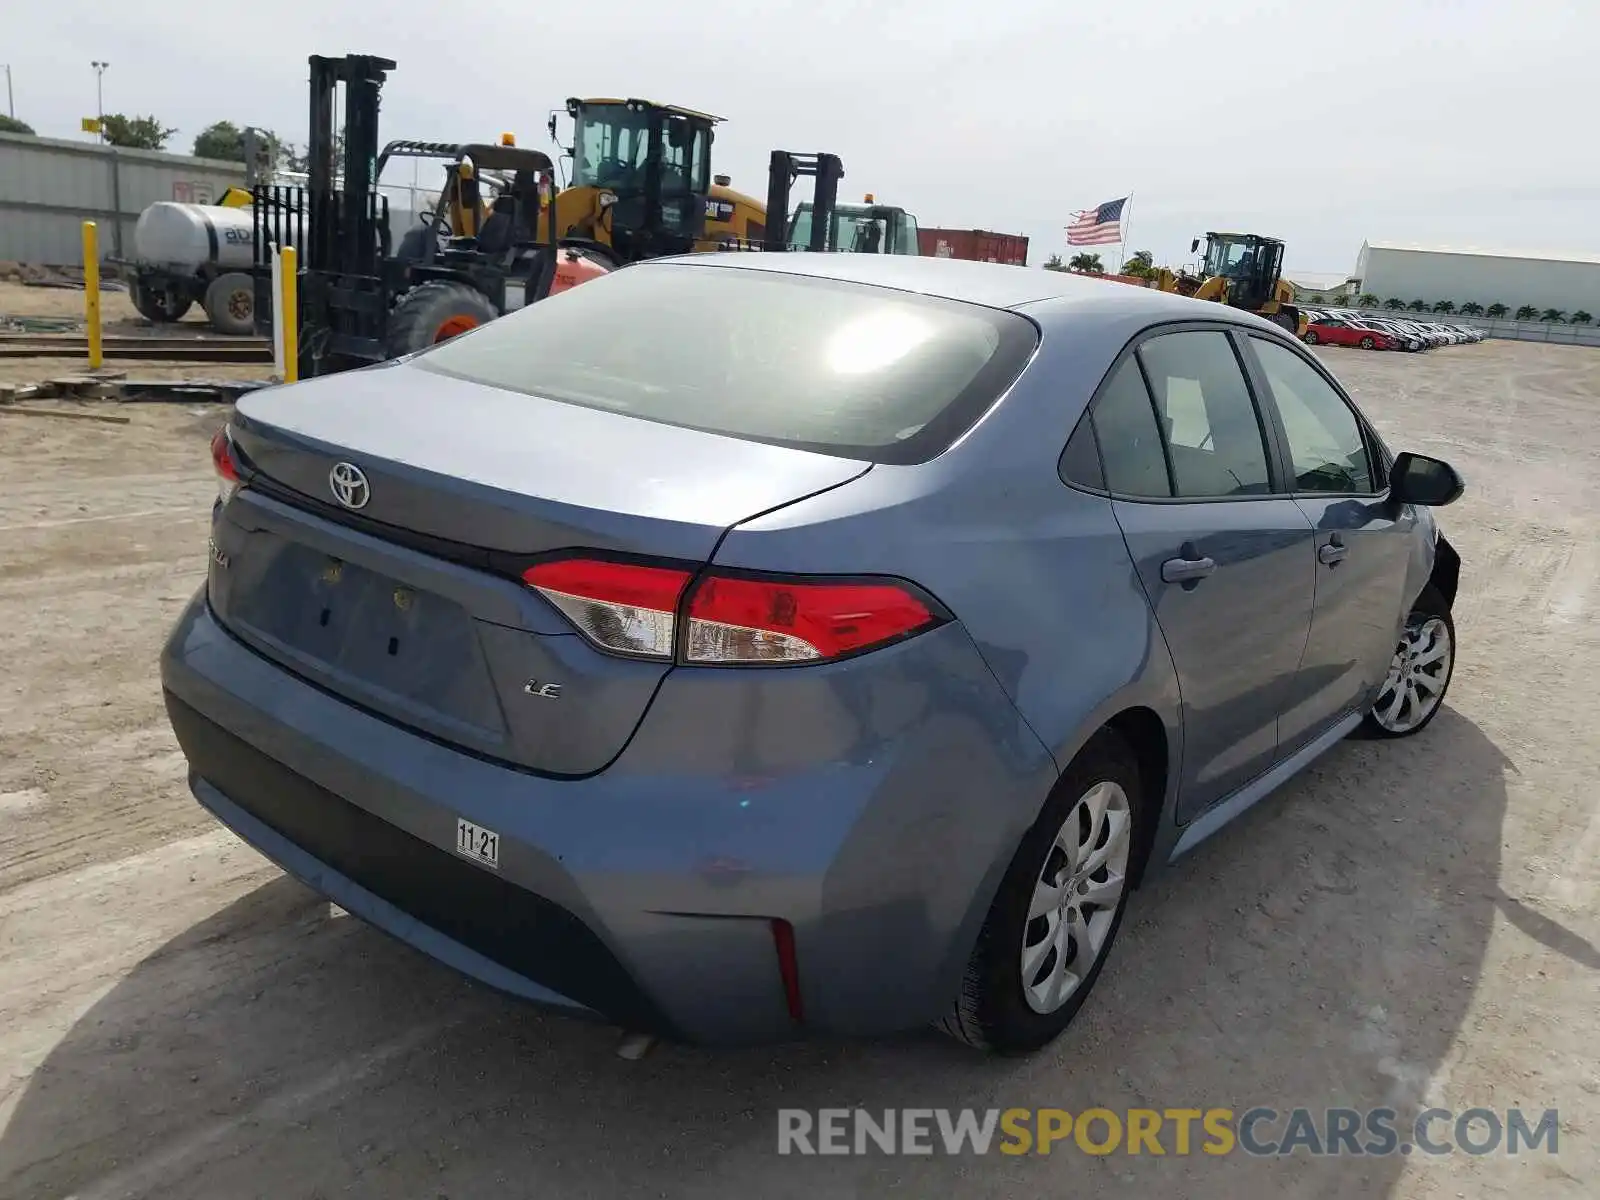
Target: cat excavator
(1242, 270)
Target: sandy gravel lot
(1402, 924)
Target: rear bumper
(874, 810)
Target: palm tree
(1418, 306)
(1444, 306)
(1394, 305)
(1527, 312)
(1472, 309)
(1054, 263)
(1496, 310)
(1581, 318)
(1141, 266)
(1367, 300)
(1553, 315)
(1087, 264)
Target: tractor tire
(157, 303)
(230, 304)
(1284, 321)
(435, 312)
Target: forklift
(641, 173)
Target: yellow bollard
(289, 313)
(91, 293)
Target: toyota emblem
(349, 484)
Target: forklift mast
(784, 169)
(344, 233)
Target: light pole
(99, 96)
(11, 105)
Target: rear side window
(1130, 444)
(840, 368)
(1209, 418)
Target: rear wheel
(436, 312)
(1311, 337)
(1057, 910)
(1285, 320)
(1419, 673)
(230, 304)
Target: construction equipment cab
(1241, 270)
(866, 228)
(641, 175)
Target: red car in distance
(1337, 331)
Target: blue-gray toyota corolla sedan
(738, 646)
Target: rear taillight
(222, 461)
(729, 619)
(621, 607)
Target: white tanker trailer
(195, 253)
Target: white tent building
(1569, 283)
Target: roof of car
(993, 285)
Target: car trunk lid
(404, 595)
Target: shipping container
(979, 245)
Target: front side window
(1326, 450)
(1207, 415)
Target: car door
(1362, 539)
(1337, 333)
(1226, 561)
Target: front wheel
(1366, 343)
(1058, 909)
(1419, 673)
(434, 312)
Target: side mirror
(1418, 479)
(1194, 244)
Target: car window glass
(1080, 461)
(1207, 414)
(1130, 445)
(1326, 449)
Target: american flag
(1097, 226)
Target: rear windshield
(844, 369)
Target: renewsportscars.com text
(1259, 1131)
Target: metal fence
(49, 187)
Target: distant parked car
(1409, 339)
(1338, 331)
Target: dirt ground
(117, 314)
(1403, 924)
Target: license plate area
(365, 633)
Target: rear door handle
(1186, 570)
(1332, 553)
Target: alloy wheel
(1076, 897)
(1417, 676)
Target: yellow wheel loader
(1242, 270)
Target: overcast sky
(1455, 122)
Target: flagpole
(1127, 223)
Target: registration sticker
(477, 843)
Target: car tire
(1097, 805)
(1366, 343)
(1311, 337)
(1402, 707)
